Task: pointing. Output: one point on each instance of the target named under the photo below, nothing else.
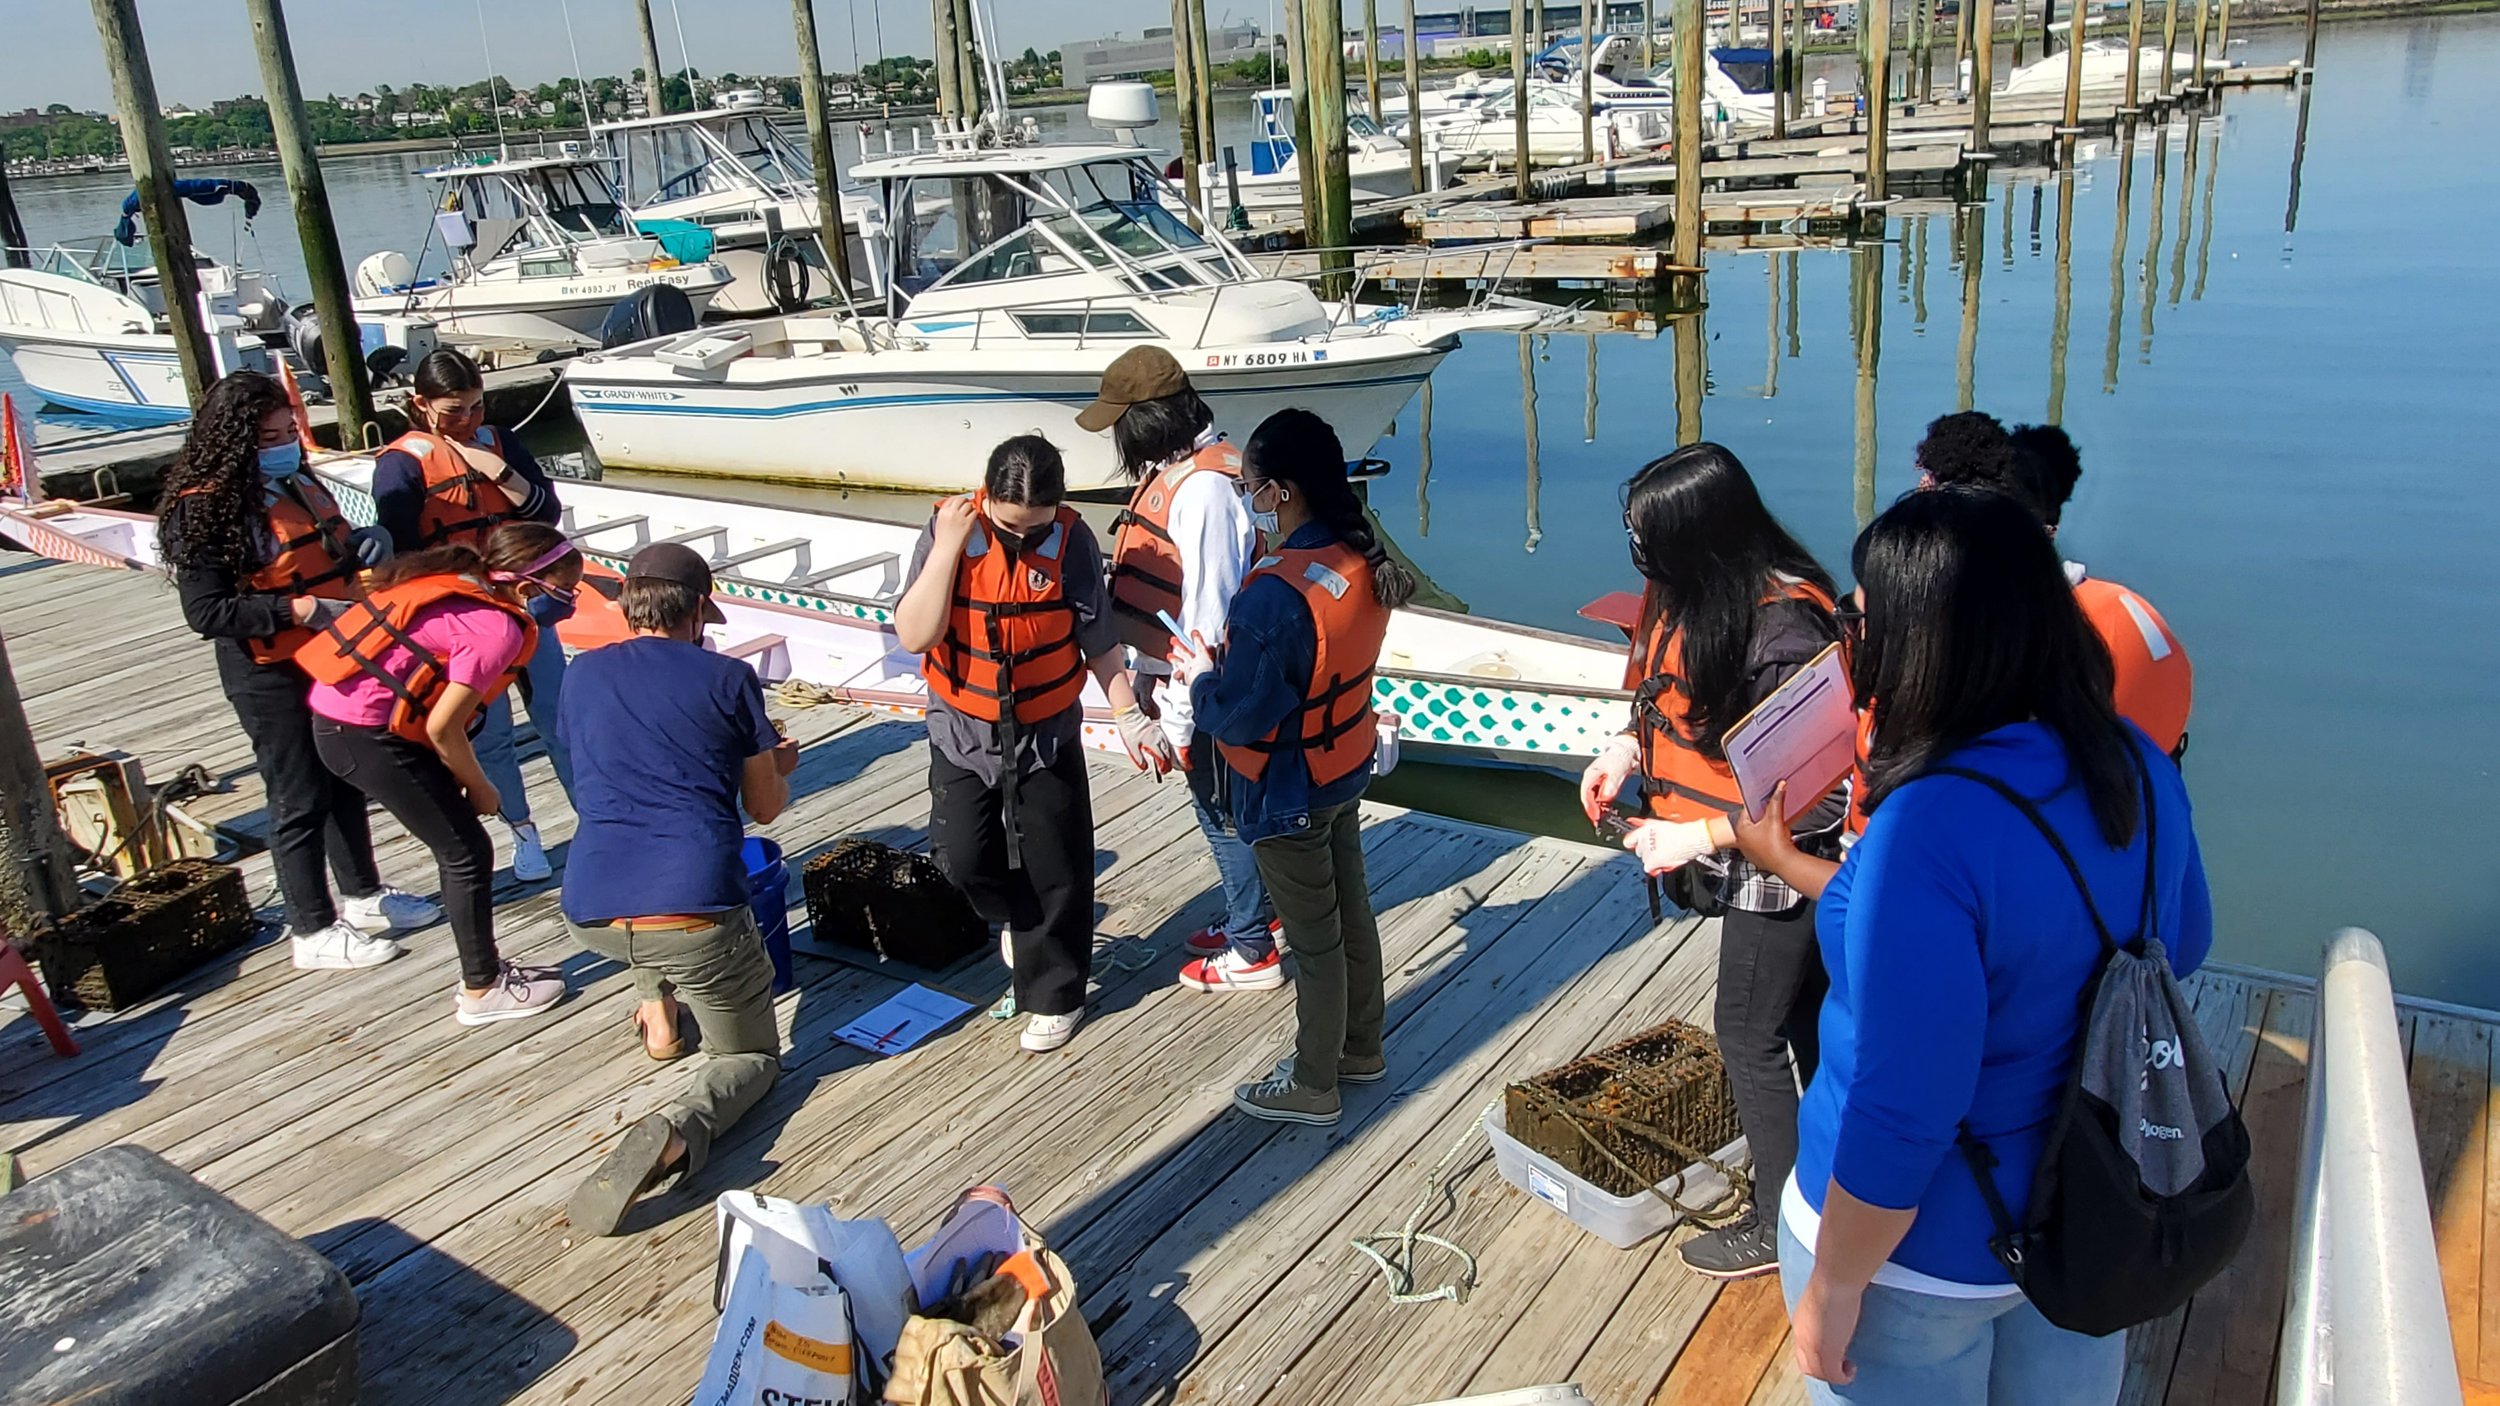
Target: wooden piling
(828, 161)
(950, 104)
(1649, 36)
(2062, 297)
(2015, 60)
(152, 171)
(1588, 81)
(2196, 74)
(1923, 47)
(1966, 350)
(1414, 104)
(1371, 58)
(1324, 28)
(1185, 78)
(1779, 73)
(39, 882)
(1518, 95)
(1982, 65)
(654, 97)
(1868, 332)
(1687, 150)
(1961, 41)
(1298, 83)
(1877, 15)
(13, 249)
(1692, 366)
(968, 78)
(1204, 97)
(2169, 43)
(342, 349)
(2074, 85)
(2135, 60)
(1796, 79)
(2222, 30)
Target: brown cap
(1141, 374)
(675, 561)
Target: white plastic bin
(1620, 1221)
(1568, 1394)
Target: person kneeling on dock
(1007, 606)
(1288, 705)
(670, 741)
(399, 678)
(1732, 609)
(1183, 543)
(260, 554)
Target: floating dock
(431, 1162)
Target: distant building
(1085, 61)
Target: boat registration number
(1295, 357)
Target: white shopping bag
(780, 1344)
(804, 1246)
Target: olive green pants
(724, 978)
(1314, 876)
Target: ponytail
(1297, 448)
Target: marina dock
(431, 1162)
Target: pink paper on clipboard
(1805, 734)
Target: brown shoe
(638, 1160)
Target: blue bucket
(768, 882)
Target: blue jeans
(498, 754)
(500, 759)
(542, 685)
(1914, 1349)
(1246, 909)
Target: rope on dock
(1397, 1264)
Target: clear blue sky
(202, 49)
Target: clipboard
(1805, 734)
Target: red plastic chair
(14, 971)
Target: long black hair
(1027, 471)
(1153, 433)
(1709, 550)
(1296, 448)
(211, 508)
(446, 371)
(1972, 626)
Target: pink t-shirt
(477, 642)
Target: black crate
(896, 904)
(1632, 1114)
(127, 946)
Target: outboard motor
(659, 310)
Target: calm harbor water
(2273, 373)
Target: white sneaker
(391, 910)
(517, 992)
(1044, 1033)
(340, 946)
(529, 857)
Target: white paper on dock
(913, 1015)
(1805, 734)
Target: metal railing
(2365, 1321)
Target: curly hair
(1970, 446)
(209, 510)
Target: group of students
(1234, 626)
(1903, 964)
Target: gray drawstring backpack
(2142, 1192)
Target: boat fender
(792, 280)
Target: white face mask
(1266, 521)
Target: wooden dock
(432, 1161)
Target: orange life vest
(1855, 821)
(1334, 727)
(1146, 567)
(1010, 648)
(2155, 683)
(357, 640)
(313, 558)
(461, 504)
(1678, 780)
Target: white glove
(1604, 779)
(1190, 659)
(1147, 746)
(1663, 845)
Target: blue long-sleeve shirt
(399, 488)
(1958, 951)
(1264, 673)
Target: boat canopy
(198, 191)
(567, 195)
(686, 154)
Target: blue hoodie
(1958, 951)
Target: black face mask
(1640, 558)
(1018, 543)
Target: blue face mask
(281, 462)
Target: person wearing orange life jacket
(1179, 553)
(1733, 608)
(451, 479)
(398, 682)
(1288, 704)
(259, 554)
(1007, 607)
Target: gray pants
(723, 976)
(1315, 878)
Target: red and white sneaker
(1230, 971)
(1210, 941)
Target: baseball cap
(1141, 373)
(675, 561)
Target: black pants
(1340, 987)
(1771, 986)
(1049, 903)
(420, 792)
(313, 815)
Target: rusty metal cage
(896, 904)
(1632, 1115)
(128, 945)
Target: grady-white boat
(1018, 274)
(2104, 68)
(1377, 164)
(84, 322)
(541, 247)
(1486, 133)
(734, 171)
(810, 596)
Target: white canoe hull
(134, 378)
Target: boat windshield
(768, 152)
(665, 163)
(1749, 68)
(1103, 215)
(579, 201)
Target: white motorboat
(1018, 274)
(540, 248)
(736, 172)
(84, 322)
(1486, 133)
(1377, 164)
(1735, 83)
(2104, 68)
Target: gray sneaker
(517, 992)
(1354, 1069)
(1279, 1099)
